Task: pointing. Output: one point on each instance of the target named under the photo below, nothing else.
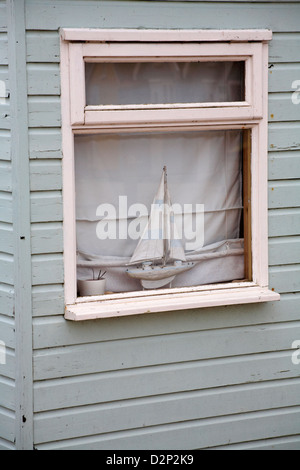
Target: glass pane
(120, 184)
(162, 83)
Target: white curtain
(204, 167)
(164, 82)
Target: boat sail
(159, 255)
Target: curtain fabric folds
(117, 176)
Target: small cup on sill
(91, 287)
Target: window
(165, 169)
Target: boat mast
(166, 243)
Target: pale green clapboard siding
(3, 48)
(284, 194)
(5, 176)
(285, 279)
(43, 48)
(46, 206)
(48, 300)
(7, 425)
(282, 76)
(284, 222)
(281, 443)
(212, 432)
(91, 14)
(47, 269)
(137, 382)
(162, 380)
(47, 238)
(5, 144)
(284, 250)
(284, 165)
(44, 111)
(45, 175)
(53, 331)
(4, 76)
(6, 300)
(45, 143)
(285, 47)
(7, 392)
(193, 379)
(43, 79)
(282, 108)
(173, 408)
(6, 238)
(163, 349)
(6, 207)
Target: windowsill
(212, 296)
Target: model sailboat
(159, 255)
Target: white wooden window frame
(92, 45)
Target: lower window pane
(160, 209)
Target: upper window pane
(164, 83)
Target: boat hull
(158, 273)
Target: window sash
(251, 108)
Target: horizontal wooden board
(48, 300)
(46, 238)
(6, 300)
(5, 116)
(45, 175)
(149, 351)
(5, 176)
(6, 269)
(5, 145)
(7, 331)
(284, 222)
(44, 111)
(284, 136)
(8, 369)
(7, 425)
(46, 206)
(285, 279)
(3, 49)
(47, 269)
(284, 250)
(5, 445)
(161, 380)
(284, 47)
(6, 238)
(284, 194)
(56, 331)
(282, 108)
(7, 393)
(282, 76)
(196, 434)
(284, 165)
(45, 143)
(3, 18)
(43, 79)
(43, 47)
(119, 14)
(280, 443)
(153, 411)
(4, 78)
